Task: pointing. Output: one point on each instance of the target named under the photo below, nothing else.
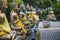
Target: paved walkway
(50, 34)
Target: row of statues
(28, 8)
(17, 22)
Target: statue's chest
(2, 18)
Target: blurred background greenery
(43, 4)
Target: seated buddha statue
(51, 16)
(4, 26)
(14, 17)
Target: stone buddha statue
(3, 21)
(22, 7)
(28, 7)
(14, 16)
(16, 22)
(51, 16)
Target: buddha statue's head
(14, 6)
(3, 5)
(22, 6)
(28, 7)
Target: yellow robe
(5, 27)
(19, 24)
(31, 17)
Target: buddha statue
(28, 7)
(51, 16)
(3, 21)
(14, 16)
(22, 7)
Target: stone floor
(50, 34)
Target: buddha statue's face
(16, 8)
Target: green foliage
(43, 4)
(18, 1)
(56, 8)
(43, 14)
(50, 3)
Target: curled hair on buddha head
(13, 5)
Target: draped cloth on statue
(17, 22)
(5, 27)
